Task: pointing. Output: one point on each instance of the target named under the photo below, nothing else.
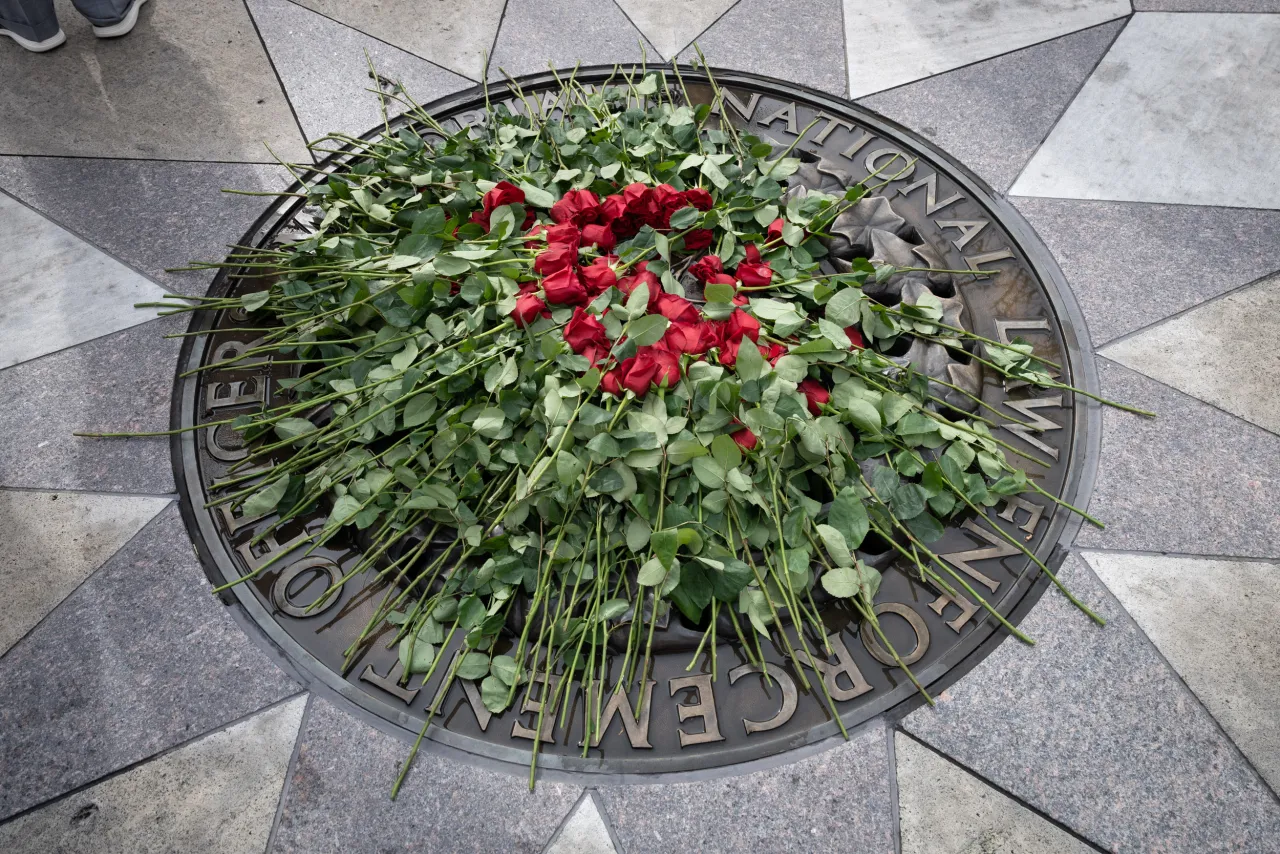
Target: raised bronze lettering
(704, 707)
(969, 229)
(391, 682)
(787, 114)
(896, 167)
(789, 695)
(1039, 423)
(999, 549)
(519, 730)
(319, 566)
(844, 666)
(637, 730)
(931, 203)
(882, 655)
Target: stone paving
(137, 715)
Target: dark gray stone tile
(593, 32)
(119, 383)
(138, 659)
(326, 75)
(1132, 264)
(338, 798)
(1206, 5)
(152, 215)
(835, 801)
(1193, 480)
(1091, 727)
(800, 40)
(991, 115)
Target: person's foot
(123, 26)
(36, 46)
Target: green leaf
(605, 481)
(500, 374)
(792, 368)
(652, 573)
(682, 451)
(474, 665)
(612, 609)
(893, 407)
(664, 544)
(709, 472)
(536, 196)
(836, 545)
(292, 428)
(416, 656)
(419, 409)
(255, 300)
(265, 500)
(489, 422)
(843, 307)
(864, 415)
(504, 667)
(637, 534)
(471, 612)
(908, 501)
(750, 364)
(494, 694)
(926, 528)
(685, 217)
(648, 329)
(841, 582)
(402, 360)
(726, 451)
(848, 516)
(344, 509)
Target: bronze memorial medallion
(933, 213)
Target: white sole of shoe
(125, 25)
(37, 47)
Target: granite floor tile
(325, 71)
(450, 34)
(53, 541)
(1181, 110)
(799, 41)
(834, 801)
(1092, 728)
(1193, 480)
(904, 40)
(119, 383)
(339, 800)
(215, 794)
(992, 115)
(153, 215)
(943, 810)
(670, 25)
(1206, 5)
(1231, 662)
(56, 290)
(191, 82)
(138, 659)
(593, 32)
(1223, 352)
(584, 833)
(1132, 264)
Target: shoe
(123, 26)
(37, 47)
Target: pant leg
(31, 19)
(102, 13)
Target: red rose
(745, 439)
(815, 394)
(637, 375)
(528, 308)
(729, 352)
(675, 307)
(668, 373)
(612, 207)
(566, 234)
(583, 331)
(753, 272)
(775, 230)
(503, 193)
(855, 337)
(627, 284)
(564, 287)
(555, 257)
(706, 267)
(740, 323)
(773, 353)
(692, 338)
(533, 242)
(599, 276)
(580, 207)
(698, 239)
(611, 382)
(698, 198)
(599, 235)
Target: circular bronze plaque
(926, 211)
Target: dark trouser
(35, 19)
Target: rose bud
(528, 308)
(698, 198)
(745, 439)
(584, 331)
(580, 207)
(564, 287)
(599, 235)
(855, 337)
(567, 234)
(815, 394)
(638, 373)
(611, 382)
(599, 276)
(706, 267)
(675, 307)
(775, 230)
(740, 323)
(753, 272)
(697, 240)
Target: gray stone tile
(118, 383)
(1132, 264)
(834, 801)
(1092, 728)
(943, 810)
(799, 41)
(899, 41)
(992, 115)
(1193, 480)
(1181, 110)
(453, 35)
(53, 541)
(323, 66)
(152, 215)
(670, 25)
(1234, 667)
(218, 793)
(584, 833)
(1223, 352)
(138, 659)
(57, 291)
(191, 82)
(1206, 5)
(339, 801)
(593, 32)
